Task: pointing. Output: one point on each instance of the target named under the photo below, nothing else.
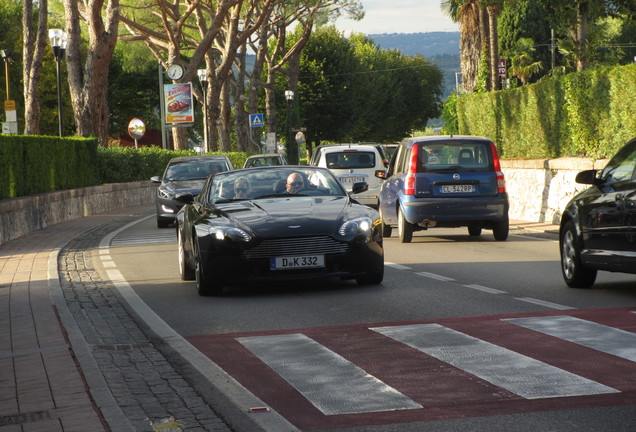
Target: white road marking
(486, 289)
(435, 276)
(397, 266)
(524, 376)
(167, 236)
(330, 382)
(600, 337)
(545, 303)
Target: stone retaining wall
(538, 191)
(20, 216)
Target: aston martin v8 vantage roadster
(277, 223)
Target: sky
(399, 16)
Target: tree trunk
(224, 124)
(582, 60)
(493, 13)
(88, 82)
(34, 42)
(470, 45)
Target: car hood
(290, 216)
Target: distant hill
(427, 44)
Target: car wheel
(405, 229)
(474, 231)
(184, 270)
(386, 229)
(205, 287)
(574, 273)
(501, 229)
(371, 278)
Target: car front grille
(322, 245)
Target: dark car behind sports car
(598, 226)
(184, 175)
(271, 234)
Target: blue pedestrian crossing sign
(256, 120)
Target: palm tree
(467, 14)
(522, 64)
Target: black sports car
(277, 223)
(598, 226)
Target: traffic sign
(256, 120)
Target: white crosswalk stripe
(590, 334)
(342, 387)
(167, 236)
(516, 373)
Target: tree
(34, 44)
(472, 26)
(522, 64)
(574, 16)
(88, 80)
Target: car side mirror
(587, 177)
(359, 187)
(184, 198)
(380, 174)
(155, 179)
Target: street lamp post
(6, 57)
(59, 39)
(203, 77)
(292, 150)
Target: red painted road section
(444, 391)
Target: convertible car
(277, 223)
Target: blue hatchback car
(444, 181)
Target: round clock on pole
(175, 71)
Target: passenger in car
(241, 188)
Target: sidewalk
(71, 358)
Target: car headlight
(165, 193)
(361, 225)
(232, 233)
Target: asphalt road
(444, 277)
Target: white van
(352, 163)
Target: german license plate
(351, 180)
(297, 262)
(457, 188)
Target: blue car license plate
(296, 262)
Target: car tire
(163, 223)
(474, 231)
(405, 229)
(205, 287)
(501, 229)
(386, 229)
(575, 274)
(375, 278)
(187, 273)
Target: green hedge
(585, 114)
(125, 164)
(36, 164)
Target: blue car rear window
(456, 155)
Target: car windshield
(455, 155)
(350, 159)
(194, 169)
(272, 182)
(262, 161)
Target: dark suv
(445, 181)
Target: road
(492, 307)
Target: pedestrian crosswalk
(161, 236)
(441, 368)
